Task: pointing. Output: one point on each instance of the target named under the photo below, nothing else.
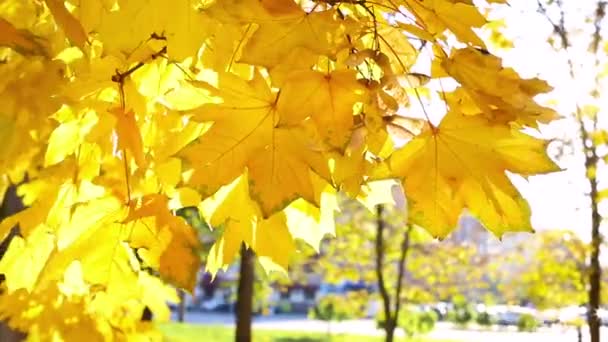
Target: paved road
(368, 327)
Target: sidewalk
(443, 330)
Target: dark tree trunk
(181, 310)
(389, 321)
(391, 312)
(405, 247)
(589, 148)
(591, 164)
(244, 300)
(595, 272)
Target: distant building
(471, 231)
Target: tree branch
(405, 247)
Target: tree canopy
(114, 114)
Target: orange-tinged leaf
(462, 164)
(129, 136)
(180, 262)
(68, 23)
(21, 40)
(172, 245)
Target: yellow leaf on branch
(129, 136)
(327, 98)
(68, 23)
(462, 163)
(500, 92)
(247, 133)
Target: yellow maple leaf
(283, 171)
(26, 254)
(500, 92)
(73, 282)
(246, 133)
(305, 106)
(241, 125)
(462, 164)
(109, 264)
(125, 27)
(401, 54)
(68, 137)
(291, 27)
(170, 244)
(311, 223)
(241, 219)
(349, 171)
(459, 17)
(327, 98)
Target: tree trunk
(389, 321)
(389, 329)
(595, 269)
(244, 300)
(405, 247)
(181, 310)
(589, 149)
(595, 273)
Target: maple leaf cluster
(114, 114)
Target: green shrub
(484, 319)
(284, 306)
(462, 313)
(412, 321)
(417, 322)
(338, 307)
(527, 322)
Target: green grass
(176, 332)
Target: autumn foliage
(114, 114)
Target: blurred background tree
(579, 38)
(396, 264)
